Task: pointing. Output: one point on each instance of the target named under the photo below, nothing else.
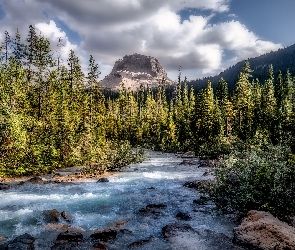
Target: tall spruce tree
(243, 104)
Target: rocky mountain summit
(136, 70)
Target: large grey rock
(135, 70)
(261, 230)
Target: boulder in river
(65, 216)
(104, 235)
(51, 216)
(261, 230)
(69, 239)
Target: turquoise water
(91, 205)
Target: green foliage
(256, 179)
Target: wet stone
(4, 186)
(22, 242)
(104, 235)
(99, 246)
(141, 242)
(51, 216)
(183, 216)
(70, 236)
(104, 179)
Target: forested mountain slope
(282, 60)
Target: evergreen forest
(53, 115)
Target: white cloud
(110, 29)
(53, 33)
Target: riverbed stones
(261, 230)
(23, 242)
(4, 186)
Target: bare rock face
(261, 230)
(135, 70)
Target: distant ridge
(136, 70)
(283, 59)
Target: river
(91, 205)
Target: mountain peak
(136, 70)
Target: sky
(203, 37)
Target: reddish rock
(261, 230)
(2, 239)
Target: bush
(256, 179)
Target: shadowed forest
(53, 115)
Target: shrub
(256, 179)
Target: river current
(91, 205)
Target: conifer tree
(243, 103)
(268, 103)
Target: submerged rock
(183, 216)
(175, 228)
(141, 242)
(103, 179)
(183, 236)
(189, 154)
(152, 209)
(261, 230)
(36, 180)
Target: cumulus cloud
(110, 29)
(54, 34)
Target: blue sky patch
(72, 35)
(2, 13)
